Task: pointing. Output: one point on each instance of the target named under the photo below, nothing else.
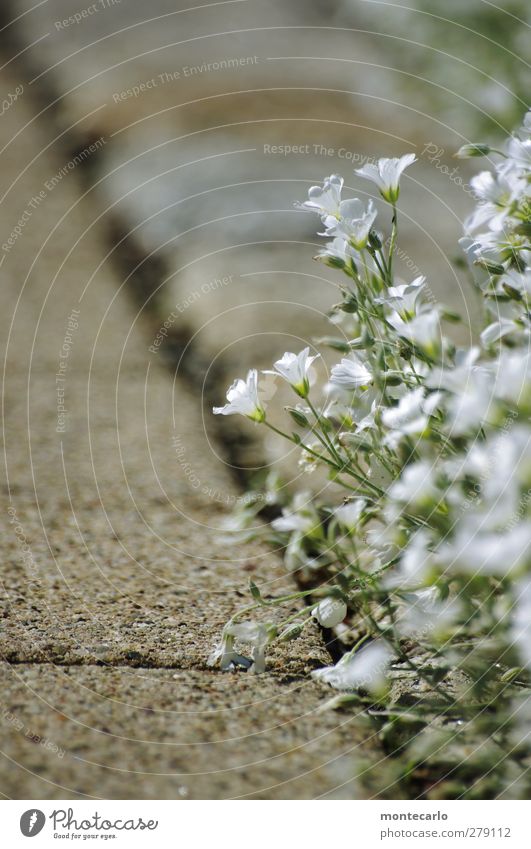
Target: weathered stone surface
(124, 733)
(114, 585)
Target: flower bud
(291, 632)
(331, 261)
(469, 150)
(330, 612)
(491, 267)
(298, 416)
(350, 304)
(375, 242)
(511, 674)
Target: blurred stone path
(114, 585)
(216, 118)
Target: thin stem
(394, 234)
(328, 441)
(342, 468)
(271, 603)
(383, 271)
(302, 445)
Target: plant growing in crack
(428, 556)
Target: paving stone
(122, 733)
(114, 583)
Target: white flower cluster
(431, 548)
(497, 239)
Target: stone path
(113, 583)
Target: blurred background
(212, 119)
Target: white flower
(415, 486)
(368, 422)
(498, 330)
(472, 409)
(518, 156)
(351, 373)
(294, 368)
(471, 404)
(326, 199)
(300, 516)
(482, 251)
(423, 613)
(456, 379)
(495, 250)
(513, 378)
(486, 552)
(353, 224)
(486, 187)
(416, 564)
(258, 636)
(497, 196)
(338, 252)
(295, 557)
(292, 522)
(475, 464)
(508, 456)
(224, 652)
(424, 330)
(365, 669)
(519, 281)
(350, 514)
(243, 399)
(403, 298)
(330, 612)
(307, 461)
(386, 174)
(412, 413)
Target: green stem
(325, 436)
(383, 271)
(271, 603)
(394, 234)
(301, 444)
(342, 468)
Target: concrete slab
(123, 733)
(114, 585)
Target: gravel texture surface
(114, 582)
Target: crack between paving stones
(281, 676)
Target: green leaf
(255, 592)
(450, 315)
